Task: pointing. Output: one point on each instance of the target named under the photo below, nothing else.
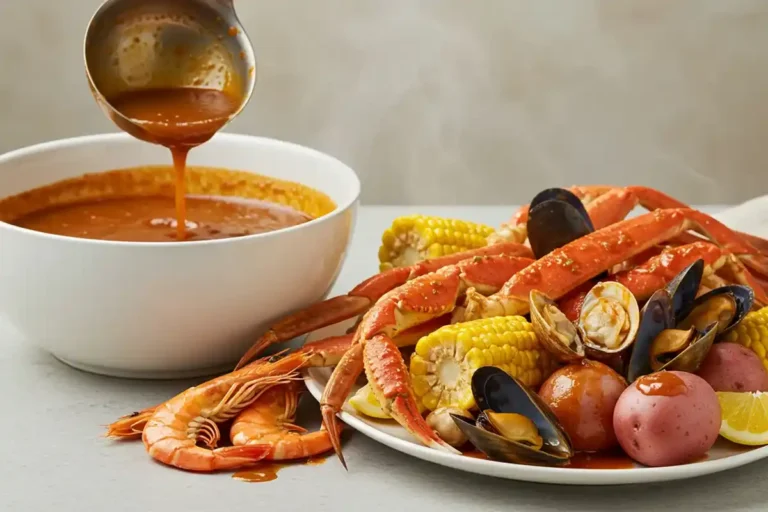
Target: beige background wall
(460, 101)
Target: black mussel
(682, 350)
(514, 425)
(727, 305)
(562, 195)
(554, 222)
(684, 288)
(655, 317)
(666, 342)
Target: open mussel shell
(690, 358)
(656, 316)
(556, 218)
(609, 319)
(727, 305)
(558, 335)
(497, 392)
(683, 289)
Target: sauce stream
(179, 119)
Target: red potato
(733, 367)
(667, 418)
(582, 397)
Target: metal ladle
(149, 44)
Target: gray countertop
(53, 453)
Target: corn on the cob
(752, 332)
(414, 238)
(442, 366)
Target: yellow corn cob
(752, 332)
(414, 238)
(441, 368)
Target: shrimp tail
(232, 457)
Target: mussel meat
(609, 318)
(514, 425)
(554, 331)
(556, 217)
(727, 305)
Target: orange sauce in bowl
(138, 205)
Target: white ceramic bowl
(166, 310)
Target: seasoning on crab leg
(609, 204)
(645, 278)
(364, 295)
(436, 294)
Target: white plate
(721, 457)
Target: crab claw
(389, 380)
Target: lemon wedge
(744, 417)
(365, 402)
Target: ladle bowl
(156, 44)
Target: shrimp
(270, 420)
(130, 426)
(322, 353)
(171, 435)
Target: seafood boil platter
(572, 344)
(646, 371)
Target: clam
(609, 318)
(607, 323)
(514, 425)
(554, 331)
(555, 218)
(677, 330)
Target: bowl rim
(81, 140)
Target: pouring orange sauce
(178, 118)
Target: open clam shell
(499, 393)
(556, 217)
(555, 332)
(609, 319)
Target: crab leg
(564, 269)
(363, 296)
(607, 205)
(418, 301)
(647, 277)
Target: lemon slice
(744, 417)
(364, 402)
